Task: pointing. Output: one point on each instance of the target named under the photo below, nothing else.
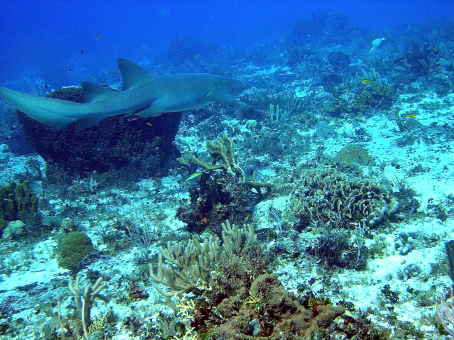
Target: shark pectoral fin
(132, 74)
(83, 123)
(60, 124)
(220, 96)
(151, 111)
(94, 92)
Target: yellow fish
(194, 175)
(410, 116)
(98, 36)
(365, 81)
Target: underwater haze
(44, 39)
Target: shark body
(142, 94)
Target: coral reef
(359, 100)
(376, 95)
(267, 310)
(236, 296)
(195, 263)
(73, 247)
(339, 60)
(219, 196)
(354, 154)
(328, 195)
(216, 199)
(332, 248)
(18, 202)
(139, 147)
(84, 303)
(221, 150)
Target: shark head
(232, 86)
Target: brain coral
(352, 153)
(327, 195)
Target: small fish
(69, 70)
(98, 36)
(112, 72)
(194, 175)
(150, 124)
(365, 81)
(410, 116)
(376, 44)
(82, 51)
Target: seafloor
(358, 215)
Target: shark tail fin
(43, 109)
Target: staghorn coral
(327, 195)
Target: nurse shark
(142, 94)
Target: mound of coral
(329, 195)
(140, 147)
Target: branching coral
(221, 150)
(84, 300)
(18, 202)
(186, 264)
(189, 266)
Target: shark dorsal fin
(132, 73)
(94, 92)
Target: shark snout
(237, 87)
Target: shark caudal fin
(45, 110)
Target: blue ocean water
(300, 188)
(45, 39)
